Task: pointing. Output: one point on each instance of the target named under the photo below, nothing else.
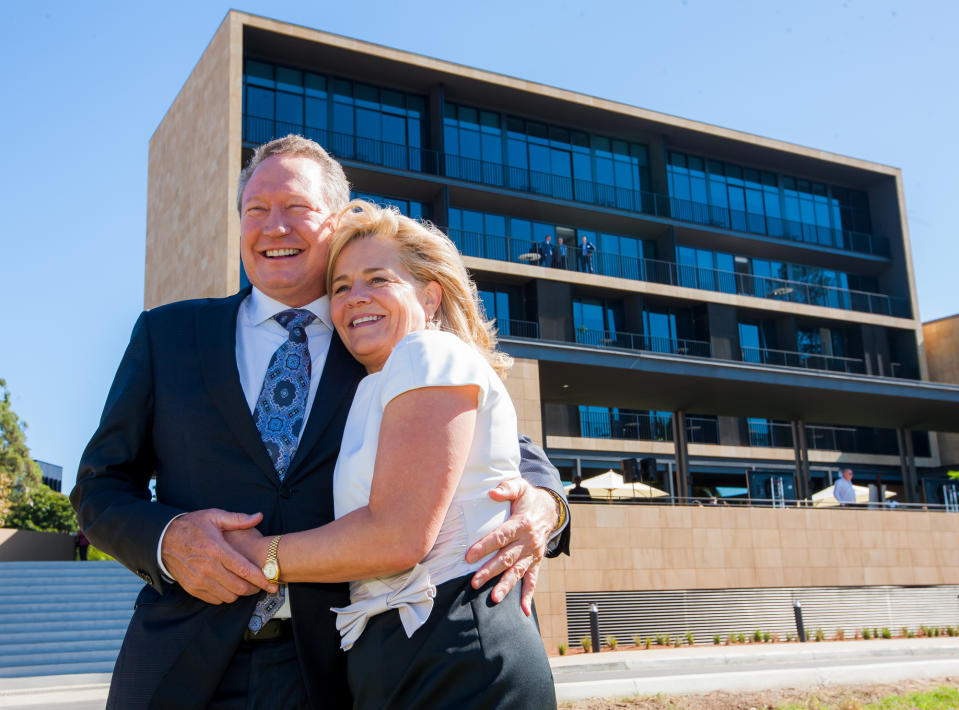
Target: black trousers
(263, 675)
(470, 654)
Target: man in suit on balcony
(547, 250)
(559, 254)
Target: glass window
(750, 342)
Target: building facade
(738, 309)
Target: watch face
(271, 571)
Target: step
(59, 624)
(60, 648)
(20, 639)
(104, 665)
(14, 608)
(99, 654)
(65, 597)
(59, 615)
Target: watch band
(271, 568)
(560, 509)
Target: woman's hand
(249, 543)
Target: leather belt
(273, 630)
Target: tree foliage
(24, 501)
(42, 509)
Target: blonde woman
(430, 431)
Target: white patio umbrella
(826, 499)
(614, 486)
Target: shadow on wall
(32, 546)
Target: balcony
(694, 348)
(345, 146)
(810, 361)
(643, 426)
(858, 440)
(501, 248)
(637, 341)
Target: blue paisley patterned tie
(279, 415)
(281, 407)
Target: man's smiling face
(285, 229)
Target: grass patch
(941, 698)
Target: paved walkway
(701, 669)
(671, 671)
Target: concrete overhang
(578, 375)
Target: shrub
(690, 639)
(773, 637)
(562, 649)
(612, 642)
(820, 635)
(906, 633)
(716, 639)
(586, 643)
(757, 636)
(741, 638)
(637, 640)
(94, 554)
(840, 635)
(886, 633)
(951, 630)
(646, 642)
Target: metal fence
(708, 612)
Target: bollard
(800, 629)
(594, 626)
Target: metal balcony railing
(810, 361)
(504, 248)
(345, 146)
(517, 328)
(771, 434)
(645, 427)
(825, 438)
(638, 341)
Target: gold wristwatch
(271, 568)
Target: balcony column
(437, 112)
(907, 463)
(682, 460)
(801, 450)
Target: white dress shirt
(257, 338)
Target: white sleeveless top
(426, 358)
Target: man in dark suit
(547, 251)
(183, 408)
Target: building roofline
(547, 91)
(939, 320)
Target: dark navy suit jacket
(176, 409)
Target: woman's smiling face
(375, 302)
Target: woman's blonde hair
(428, 255)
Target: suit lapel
(341, 374)
(216, 341)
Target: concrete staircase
(63, 617)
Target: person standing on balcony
(547, 250)
(584, 257)
(843, 490)
(559, 254)
(578, 492)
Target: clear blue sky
(86, 84)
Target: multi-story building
(740, 309)
(51, 475)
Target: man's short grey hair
(335, 189)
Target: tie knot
(295, 320)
